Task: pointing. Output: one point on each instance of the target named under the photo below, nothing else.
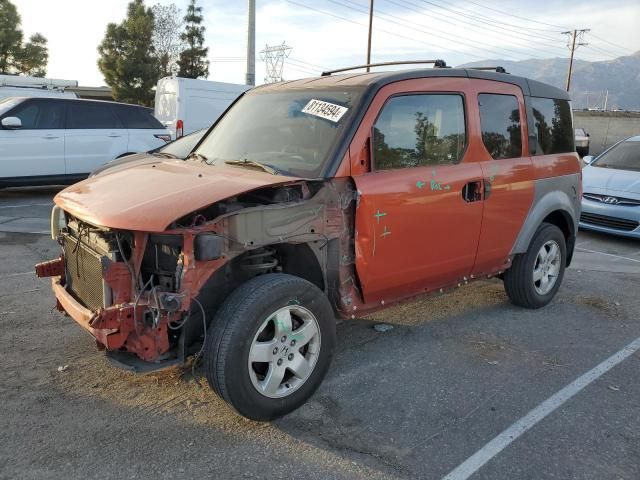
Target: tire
(524, 281)
(252, 323)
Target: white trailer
(185, 105)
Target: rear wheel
(535, 277)
(271, 345)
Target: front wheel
(535, 277)
(270, 346)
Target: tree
(32, 58)
(128, 59)
(167, 39)
(193, 61)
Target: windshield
(580, 132)
(624, 156)
(291, 131)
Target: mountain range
(590, 81)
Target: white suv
(45, 141)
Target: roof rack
(436, 64)
(490, 69)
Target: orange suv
(316, 198)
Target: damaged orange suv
(316, 198)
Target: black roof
(379, 79)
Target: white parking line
(27, 205)
(608, 255)
(503, 440)
(17, 274)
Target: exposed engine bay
(149, 296)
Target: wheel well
(563, 221)
(299, 260)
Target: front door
(37, 148)
(420, 198)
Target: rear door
(94, 136)
(420, 201)
(37, 148)
(507, 171)
(145, 131)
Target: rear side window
(500, 122)
(137, 117)
(39, 114)
(553, 126)
(419, 130)
(91, 115)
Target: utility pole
(251, 44)
(370, 34)
(273, 57)
(574, 41)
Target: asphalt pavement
(449, 390)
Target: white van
(54, 141)
(21, 86)
(185, 105)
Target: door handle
(114, 135)
(51, 137)
(472, 191)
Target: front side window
(292, 131)
(419, 130)
(553, 126)
(91, 115)
(39, 114)
(500, 123)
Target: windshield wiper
(253, 163)
(199, 156)
(164, 154)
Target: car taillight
(179, 128)
(163, 136)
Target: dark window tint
(416, 130)
(39, 114)
(553, 126)
(137, 117)
(500, 122)
(91, 115)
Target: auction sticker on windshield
(325, 110)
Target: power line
(613, 44)
(407, 24)
(498, 34)
(502, 12)
(380, 29)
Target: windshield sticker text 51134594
(325, 110)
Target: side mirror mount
(11, 123)
(587, 159)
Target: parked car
(317, 198)
(178, 149)
(611, 198)
(46, 141)
(582, 141)
(185, 105)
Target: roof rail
(490, 69)
(436, 64)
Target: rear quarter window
(500, 122)
(553, 126)
(133, 117)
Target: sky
(333, 33)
